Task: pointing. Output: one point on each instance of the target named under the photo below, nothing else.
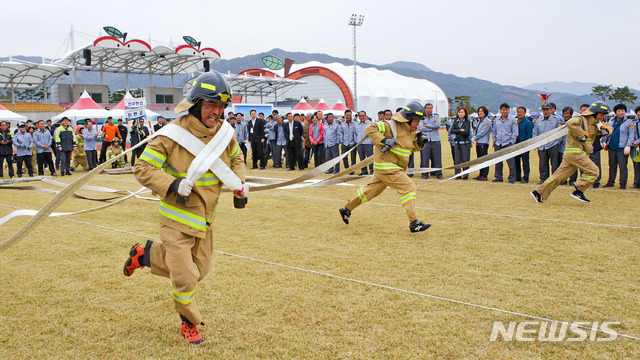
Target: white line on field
(462, 212)
(374, 284)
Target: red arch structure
(318, 70)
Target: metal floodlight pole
(355, 20)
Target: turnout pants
(431, 153)
(80, 160)
(572, 160)
(185, 260)
(398, 181)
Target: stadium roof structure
(250, 85)
(27, 75)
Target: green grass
(64, 295)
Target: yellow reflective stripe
(409, 196)
(183, 298)
(206, 179)
(153, 157)
(574, 151)
(208, 86)
(385, 166)
(183, 217)
(381, 126)
(235, 152)
(401, 151)
(361, 195)
(553, 183)
(588, 178)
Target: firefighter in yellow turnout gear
(79, 156)
(396, 140)
(184, 253)
(583, 130)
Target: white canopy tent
(11, 117)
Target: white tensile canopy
(11, 117)
(84, 108)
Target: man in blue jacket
(23, 142)
(431, 154)
(65, 142)
(525, 132)
(43, 138)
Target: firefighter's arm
(574, 126)
(236, 158)
(376, 131)
(148, 168)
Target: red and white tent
(322, 106)
(303, 105)
(339, 108)
(84, 108)
(8, 115)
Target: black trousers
(482, 150)
(522, 167)
(134, 154)
(257, 153)
(353, 154)
(318, 154)
(92, 158)
(65, 162)
(27, 162)
(332, 152)
(294, 156)
(462, 155)
(103, 151)
(45, 158)
(57, 155)
(547, 156)
(9, 165)
(618, 160)
(431, 153)
(307, 156)
(243, 147)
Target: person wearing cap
(184, 251)
(618, 145)
(547, 153)
(65, 143)
(505, 134)
(23, 141)
(42, 138)
(395, 141)
(115, 149)
(582, 132)
(6, 149)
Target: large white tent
(377, 89)
(11, 117)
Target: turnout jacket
(398, 157)
(577, 126)
(164, 160)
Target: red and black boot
(190, 331)
(135, 260)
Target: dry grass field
(64, 295)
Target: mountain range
(482, 92)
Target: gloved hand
(606, 147)
(603, 128)
(240, 197)
(627, 150)
(182, 188)
(421, 140)
(584, 138)
(387, 145)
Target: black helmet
(599, 107)
(211, 86)
(413, 110)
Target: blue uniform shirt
(543, 125)
(430, 126)
(505, 131)
(482, 132)
(331, 134)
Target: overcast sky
(509, 42)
